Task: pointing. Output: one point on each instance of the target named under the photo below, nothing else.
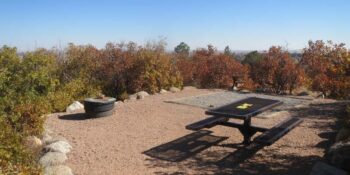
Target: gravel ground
(149, 137)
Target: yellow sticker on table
(244, 106)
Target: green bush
(25, 84)
(72, 91)
(14, 158)
(153, 71)
(78, 76)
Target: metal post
(247, 132)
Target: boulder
(59, 146)
(189, 88)
(235, 88)
(303, 93)
(163, 91)
(57, 170)
(52, 159)
(47, 130)
(46, 138)
(133, 97)
(274, 114)
(321, 168)
(142, 94)
(33, 144)
(174, 89)
(340, 155)
(343, 135)
(118, 102)
(300, 106)
(244, 91)
(74, 107)
(55, 139)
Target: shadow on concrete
(75, 116)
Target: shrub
(75, 90)
(252, 58)
(182, 49)
(208, 69)
(14, 158)
(25, 83)
(129, 68)
(219, 71)
(78, 72)
(328, 66)
(186, 68)
(153, 71)
(277, 72)
(117, 60)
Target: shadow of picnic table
(193, 153)
(185, 153)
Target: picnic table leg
(247, 131)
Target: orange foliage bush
(277, 72)
(328, 66)
(186, 68)
(208, 69)
(128, 68)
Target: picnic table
(246, 109)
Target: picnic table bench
(246, 109)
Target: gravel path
(149, 137)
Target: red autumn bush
(209, 69)
(277, 72)
(328, 66)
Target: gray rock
(118, 102)
(142, 94)
(52, 159)
(33, 144)
(133, 97)
(55, 139)
(343, 134)
(244, 91)
(340, 155)
(174, 89)
(47, 131)
(163, 91)
(57, 170)
(189, 88)
(304, 93)
(273, 114)
(59, 146)
(235, 88)
(300, 106)
(321, 168)
(74, 107)
(46, 138)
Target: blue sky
(241, 24)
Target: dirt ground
(148, 136)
